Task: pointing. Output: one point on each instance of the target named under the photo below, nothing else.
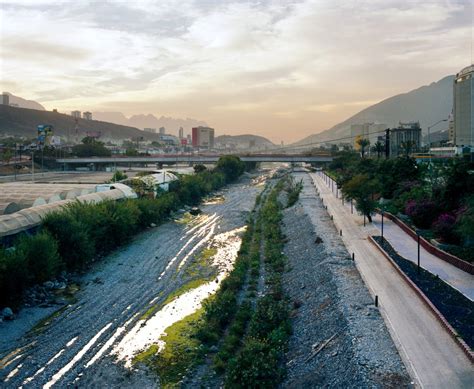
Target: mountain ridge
(426, 104)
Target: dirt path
(339, 338)
(74, 349)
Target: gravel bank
(332, 303)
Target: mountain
(427, 105)
(246, 141)
(23, 103)
(22, 122)
(172, 125)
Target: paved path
(431, 355)
(407, 248)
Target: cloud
(250, 65)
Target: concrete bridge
(191, 159)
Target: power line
(326, 141)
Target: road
(432, 357)
(74, 349)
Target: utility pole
(387, 143)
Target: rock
(152, 225)
(49, 284)
(7, 313)
(318, 240)
(334, 354)
(61, 285)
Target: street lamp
(382, 209)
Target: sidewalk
(406, 246)
(430, 354)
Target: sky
(280, 69)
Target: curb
(461, 343)
(443, 255)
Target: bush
(444, 228)
(40, 253)
(75, 245)
(422, 212)
(13, 276)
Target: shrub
(40, 253)
(13, 276)
(422, 212)
(444, 228)
(75, 245)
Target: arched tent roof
(31, 217)
(125, 189)
(7, 208)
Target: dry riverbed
(128, 299)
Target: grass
(182, 351)
(187, 218)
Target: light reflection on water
(148, 332)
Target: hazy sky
(282, 69)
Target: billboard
(45, 131)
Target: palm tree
(407, 147)
(378, 148)
(363, 143)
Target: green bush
(75, 245)
(40, 253)
(13, 276)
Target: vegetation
(90, 147)
(119, 176)
(73, 237)
(250, 333)
(437, 199)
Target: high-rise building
(162, 131)
(203, 137)
(5, 99)
(87, 115)
(152, 130)
(180, 133)
(405, 139)
(463, 110)
(76, 114)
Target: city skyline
(262, 67)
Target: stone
(152, 225)
(318, 240)
(49, 284)
(7, 313)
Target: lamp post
(382, 209)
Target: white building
(5, 99)
(76, 114)
(87, 115)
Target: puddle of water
(148, 332)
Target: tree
(362, 189)
(407, 147)
(363, 143)
(378, 148)
(131, 152)
(199, 168)
(231, 166)
(91, 147)
(119, 176)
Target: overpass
(192, 159)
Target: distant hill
(243, 141)
(23, 103)
(22, 122)
(427, 105)
(172, 125)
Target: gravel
(331, 302)
(113, 295)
